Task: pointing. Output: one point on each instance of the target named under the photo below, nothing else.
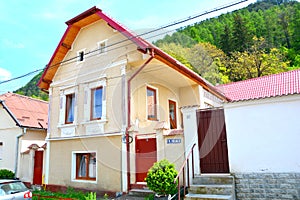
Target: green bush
(160, 178)
(91, 196)
(6, 174)
(69, 194)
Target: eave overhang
(94, 14)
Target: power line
(22, 76)
(136, 36)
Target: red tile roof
(90, 16)
(26, 111)
(263, 87)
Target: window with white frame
(68, 107)
(70, 103)
(151, 104)
(96, 103)
(102, 47)
(1, 150)
(85, 166)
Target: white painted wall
(191, 134)
(264, 135)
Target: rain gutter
(129, 114)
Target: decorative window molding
(84, 166)
(89, 87)
(94, 124)
(102, 47)
(68, 96)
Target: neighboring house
(23, 129)
(118, 104)
(263, 132)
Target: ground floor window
(86, 166)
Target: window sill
(100, 121)
(66, 125)
(84, 181)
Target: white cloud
(4, 74)
(12, 44)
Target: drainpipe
(24, 130)
(129, 113)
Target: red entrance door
(212, 141)
(38, 168)
(145, 157)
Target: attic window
(102, 47)
(80, 55)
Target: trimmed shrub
(6, 174)
(160, 178)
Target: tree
(226, 40)
(284, 22)
(256, 62)
(207, 60)
(177, 51)
(241, 36)
(296, 28)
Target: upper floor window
(80, 56)
(96, 103)
(172, 114)
(151, 104)
(102, 46)
(86, 166)
(70, 103)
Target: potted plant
(160, 179)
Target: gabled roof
(285, 83)
(94, 14)
(26, 111)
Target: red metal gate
(212, 141)
(38, 167)
(145, 157)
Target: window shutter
(86, 105)
(62, 108)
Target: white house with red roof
(263, 135)
(118, 104)
(23, 129)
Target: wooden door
(145, 157)
(38, 167)
(212, 141)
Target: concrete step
(213, 179)
(207, 197)
(211, 189)
(140, 192)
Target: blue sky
(31, 30)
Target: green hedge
(6, 174)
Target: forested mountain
(261, 39)
(32, 90)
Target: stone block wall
(270, 186)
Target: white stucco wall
(264, 135)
